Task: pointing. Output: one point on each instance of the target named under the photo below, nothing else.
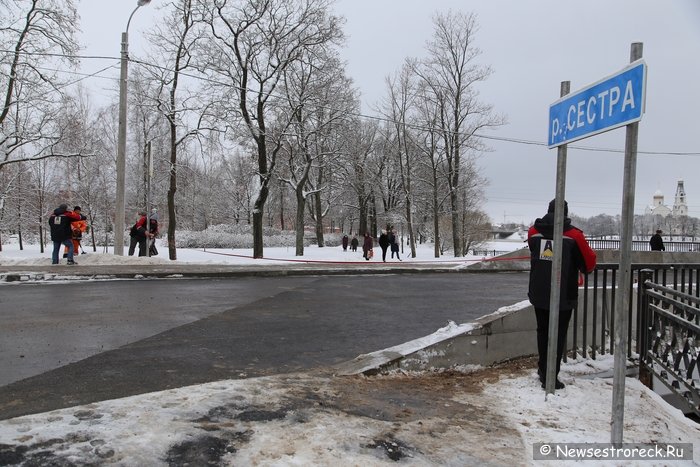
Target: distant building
(658, 208)
(680, 207)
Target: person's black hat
(551, 207)
(77, 208)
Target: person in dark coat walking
(345, 243)
(656, 242)
(394, 245)
(384, 244)
(367, 247)
(61, 233)
(577, 257)
(354, 243)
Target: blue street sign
(612, 102)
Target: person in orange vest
(78, 228)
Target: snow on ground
(31, 255)
(481, 418)
(485, 417)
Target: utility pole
(121, 138)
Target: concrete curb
(507, 333)
(63, 272)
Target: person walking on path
(576, 257)
(354, 243)
(61, 234)
(656, 242)
(367, 247)
(384, 244)
(394, 245)
(345, 243)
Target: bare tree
(399, 106)
(359, 168)
(452, 71)
(175, 41)
(39, 33)
(255, 42)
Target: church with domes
(679, 208)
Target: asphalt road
(75, 343)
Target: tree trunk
(436, 216)
(301, 206)
(409, 221)
(281, 205)
(172, 189)
(318, 215)
(454, 207)
(258, 212)
(362, 219)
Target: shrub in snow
(234, 236)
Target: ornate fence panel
(642, 245)
(593, 321)
(670, 340)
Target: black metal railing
(670, 339)
(641, 245)
(593, 321)
(484, 252)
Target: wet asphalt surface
(74, 343)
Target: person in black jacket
(384, 244)
(656, 242)
(61, 233)
(354, 243)
(577, 257)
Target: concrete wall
(511, 332)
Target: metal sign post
(555, 281)
(149, 176)
(615, 101)
(625, 275)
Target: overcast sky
(532, 46)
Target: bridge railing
(593, 324)
(670, 340)
(641, 245)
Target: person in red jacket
(78, 228)
(139, 234)
(577, 257)
(368, 247)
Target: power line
(352, 114)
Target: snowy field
(31, 255)
(473, 416)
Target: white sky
(532, 47)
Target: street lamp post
(121, 138)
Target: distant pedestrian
(345, 243)
(394, 245)
(576, 256)
(656, 242)
(384, 244)
(354, 243)
(367, 247)
(60, 223)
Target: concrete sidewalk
(12, 273)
